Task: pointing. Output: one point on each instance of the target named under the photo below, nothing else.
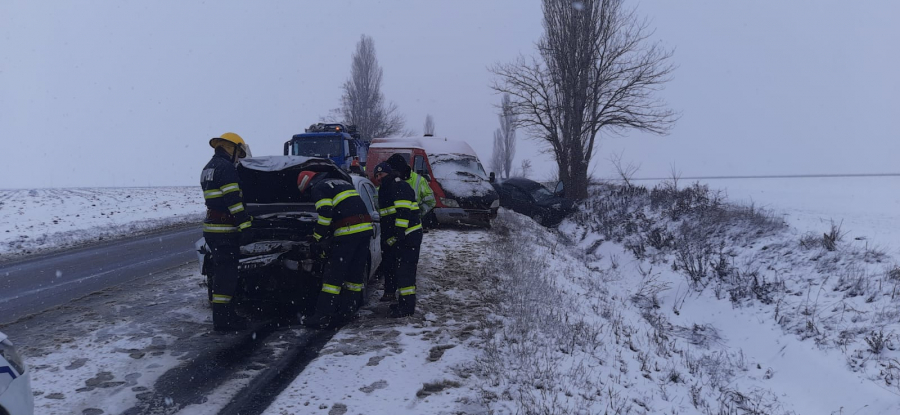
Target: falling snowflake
(577, 5)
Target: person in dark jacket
(226, 220)
(343, 232)
(401, 232)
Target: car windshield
(540, 193)
(317, 147)
(457, 167)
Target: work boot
(350, 302)
(318, 321)
(326, 308)
(397, 313)
(387, 297)
(226, 319)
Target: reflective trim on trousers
(324, 221)
(408, 290)
(221, 299)
(235, 208)
(331, 289)
(402, 223)
(413, 229)
(352, 286)
(244, 225)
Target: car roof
(431, 145)
(357, 179)
(521, 182)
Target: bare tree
(596, 71)
(505, 139)
(625, 172)
(429, 125)
(497, 155)
(525, 169)
(362, 102)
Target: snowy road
(146, 348)
(37, 284)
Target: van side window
(419, 167)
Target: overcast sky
(128, 93)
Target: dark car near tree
(532, 199)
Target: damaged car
(532, 199)
(278, 268)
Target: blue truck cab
(337, 142)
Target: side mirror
(287, 147)
(560, 190)
(493, 177)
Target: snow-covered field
(41, 220)
(865, 207)
(609, 314)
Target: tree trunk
(579, 181)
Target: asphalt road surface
(37, 284)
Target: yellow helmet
(231, 138)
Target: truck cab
(337, 142)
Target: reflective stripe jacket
(398, 209)
(424, 194)
(341, 210)
(222, 192)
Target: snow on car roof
(431, 145)
(276, 163)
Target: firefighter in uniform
(424, 195)
(343, 232)
(401, 232)
(226, 221)
(424, 200)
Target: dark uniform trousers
(344, 276)
(226, 253)
(407, 254)
(388, 267)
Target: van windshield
(455, 166)
(317, 147)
